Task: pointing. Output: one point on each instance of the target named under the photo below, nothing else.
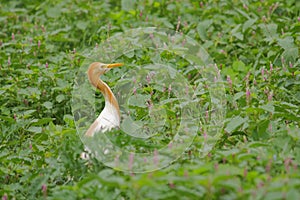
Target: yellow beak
(114, 65)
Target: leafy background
(255, 45)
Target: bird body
(110, 116)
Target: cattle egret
(109, 118)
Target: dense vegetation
(255, 45)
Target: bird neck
(105, 90)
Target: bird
(109, 118)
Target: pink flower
(270, 96)
(44, 189)
(248, 94)
(134, 91)
(39, 44)
(206, 116)
(4, 197)
(229, 81)
(201, 4)
(13, 36)
(47, 65)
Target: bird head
(101, 68)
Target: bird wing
(107, 120)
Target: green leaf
(202, 28)
(35, 129)
(268, 107)
(139, 100)
(128, 5)
(235, 123)
(286, 43)
(53, 12)
(41, 121)
(248, 24)
(82, 25)
(239, 66)
(60, 98)
(48, 105)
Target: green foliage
(255, 45)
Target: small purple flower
(151, 36)
(149, 104)
(270, 96)
(291, 64)
(204, 135)
(229, 81)
(134, 91)
(287, 164)
(248, 94)
(46, 65)
(206, 116)
(148, 78)
(39, 44)
(141, 13)
(4, 197)
(44, 189)
(12, 36)
(201, 4)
